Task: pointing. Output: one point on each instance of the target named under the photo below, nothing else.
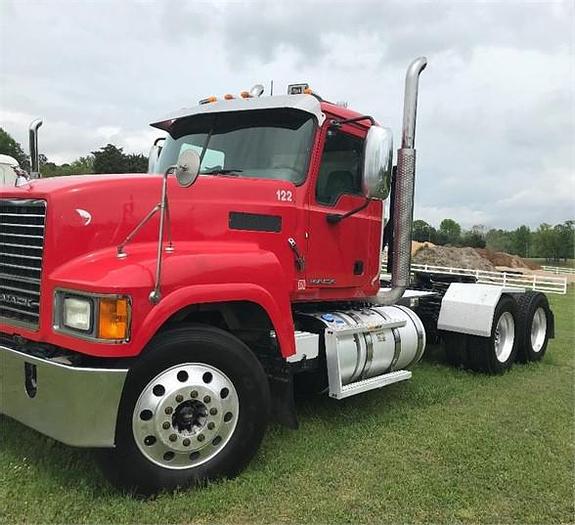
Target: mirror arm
(334, 218)
(338, 123)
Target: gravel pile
(507, 260)
(452, 257)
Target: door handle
(299, 260)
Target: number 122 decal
(284, 195)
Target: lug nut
(213, 411)
(166, 425)
(194, 393)
(169, 410)
(186, 442)
(179, 398)
(201, 437)
(207, 399)
(211, 425)
(173, 437)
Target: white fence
(558, 270)
(540, 283)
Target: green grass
(445, 446)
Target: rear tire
(535, 326)
(194, 408)
(455, 348)
(489, 355)
(496, 354)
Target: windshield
(262, 144)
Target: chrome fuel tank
(374, 347)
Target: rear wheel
(535, 326)
(194, 408)
(490, 355)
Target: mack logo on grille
(17, 300)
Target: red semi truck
(164, 318)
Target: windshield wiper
(221, 171)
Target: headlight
(98, 317)
(77, 314)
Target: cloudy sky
(496, 129)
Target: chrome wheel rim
(185, 416)
(538, 330)
(504, 336)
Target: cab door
(341, 255)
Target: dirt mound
(416, 246)
(507, 260)
(452, 257)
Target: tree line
(107, 159)
(551, 242)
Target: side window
(340, 170)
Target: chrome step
(371, 384)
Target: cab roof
(304, 102)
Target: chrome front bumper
(77, 406)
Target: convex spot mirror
(378, 163)
(188, 168)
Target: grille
(21, 247)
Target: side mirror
(188, 167)
(378, 163)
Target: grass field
(445, 446)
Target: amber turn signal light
(113, 318)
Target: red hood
(91, 212)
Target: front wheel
(194, 408)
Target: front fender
(279, 314)
(195, 273)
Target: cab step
(370, 384)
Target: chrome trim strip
(12, 277)
(14, 225)
(20, 215)
(21, 267)
(23, 235)
(33, 257)
(368, 337)
(18, 311)
(26, 246)
(14, 289)
(396, 339)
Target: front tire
(195, 408)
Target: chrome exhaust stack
(34, 154)
(404, 190)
